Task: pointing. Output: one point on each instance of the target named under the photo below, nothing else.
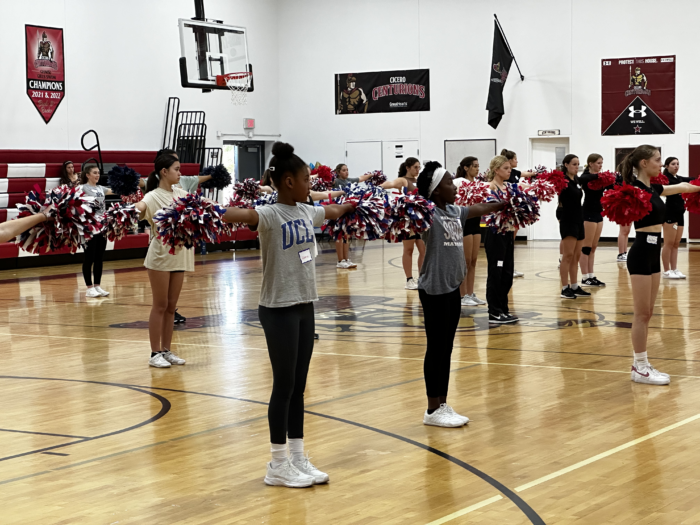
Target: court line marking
(570, 468)
(42, 433)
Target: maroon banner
(45, 69)
(639, 96)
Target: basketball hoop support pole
(199, 10)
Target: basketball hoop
(238, 83)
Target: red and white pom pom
(556, 178)
(522, 209)
(626, 204)
(472, 192)
(539, 169)
(411, 215)
(371, 218)
(605, 179)
(660, 179)
(248, 190)
(190, 220)
(238, 202)
(324, 178)
(542, 189)
(133, 198)
(119, 220)
(692, 200)
(378, 178)
(72, 221)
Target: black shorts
(472, 227)
(644, 257)
(591, 216)
(675, 219)
(572, 229)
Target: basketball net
(238, 83)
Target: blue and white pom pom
(266, 199)
(521, 209)
(410, 215)
(190, 220)
(370, 220)
(123, 181)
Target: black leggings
(441, 314)
(289, 333)
(94, 253)
(500, 257)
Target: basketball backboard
(209, 49)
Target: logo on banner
(638, 83)
(45, 54)
(502, 72)
(45, 69)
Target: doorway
(549, 152)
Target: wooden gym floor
(90, 434)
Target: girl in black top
(592, 219)
(68, 176)
(643, 260)
(570, 215)
(674, 221)
(515, 176)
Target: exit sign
(248, 123)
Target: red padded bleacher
(32, 156)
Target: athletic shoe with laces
(580, 292)
(511, 318)
(443, 418)
(596, 282)
(350, 263)
(452, 411)
(678, 273)
(342, 264)
(622, 257)
(158, 361)
(287, 475)
(411, 284)
(670, 275)
(306, 467)
(587, 282)
(518, 274)
(568, 293)
(179, 318)
(103, 293)
(649, 375)
(477, 300)
(468, 301)
(92, 292)
(173, 359)
(497, 319)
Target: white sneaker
(622, 257)
(350, 263)
(411, 284)
(670, 275)
(468, 301)
(102, 292)
(443, 418)
(287, 475)
(451, 411)
(306, 467)
(92, 292)
(647, 374)
(158, 361)
(518, 274)
(678, 273)
(477, 300)
(342, 264)
(172, 358)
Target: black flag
(500, 65)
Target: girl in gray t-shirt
(95, 247)
(286, 308)
(442, 273)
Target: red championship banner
(639, 96)
(45, 69)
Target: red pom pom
(692, 200)
(543, 190)
(626, 204)
(660, 179)
(324, 180)
(556, 178)
(378, 178)
(472, 192)
(605, 179)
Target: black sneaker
(178, 318)
(511, 318)
(596, 282)
(579, 292)
(497, 319)
(568, 293)
(587, 282)
(316, 337)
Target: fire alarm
(248, 123)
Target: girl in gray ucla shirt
(286, 308)
(442, 273)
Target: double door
(386, 155)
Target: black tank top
(570, 202)
(658, 208)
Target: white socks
(279, 454)
(574, 286)
(640, 358)
(296, 448)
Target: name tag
(652, 240)
(500, 263)
(305, 256)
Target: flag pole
(522, 77)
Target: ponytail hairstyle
(569, 158)
(65, 179)
(667, 163)
(86, 169)
(496, 163)
(266, 178)
(631, 161)
(464, 165)
(426, 177)
(593, 157)
(166, 151)
(408, 163)
(509, 155)
(162, 163)
(284, 161)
